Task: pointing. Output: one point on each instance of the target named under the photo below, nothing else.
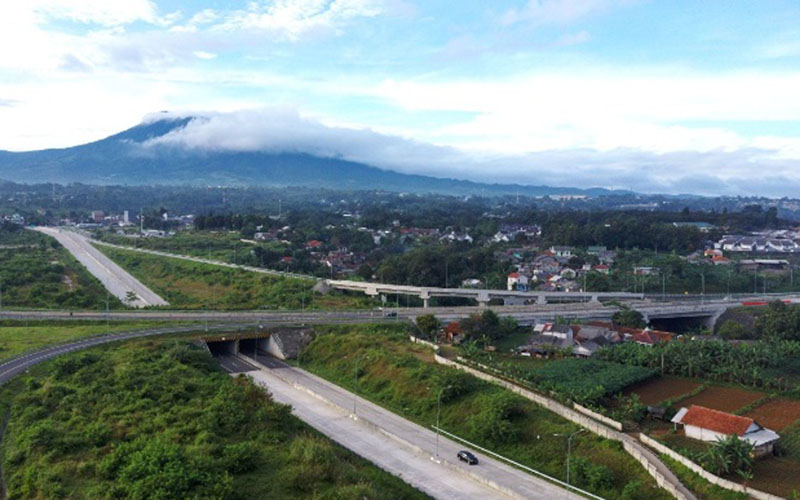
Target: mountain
(123, 159)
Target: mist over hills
(136, 157)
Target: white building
(706, 424)
(518, 281)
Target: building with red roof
(706, 424)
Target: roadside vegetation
(37, 272)
(193, 285)
(20, 336)
(379, 363)
(158, 419)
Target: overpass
(481, 295)
(525, 314)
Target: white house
(561, 251)
(706, 424)
(518, 281)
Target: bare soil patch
(656, 390)
(727, 399)
(776, 414)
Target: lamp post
(569, 447)
(438, 413)
(355, 379)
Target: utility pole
(107, 312)
(438, 412)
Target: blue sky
(658, 96)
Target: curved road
(14, 367)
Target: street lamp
(438, 413)
(355, 378)
(569, 446)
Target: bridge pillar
(426, 297)
(483, 299)
(595, 299)
(372, 291)
(541, 299)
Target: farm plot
(657, 390)
(776, 414)
(727, 399)
(587, 380)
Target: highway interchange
(382, 437)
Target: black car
(468, 457)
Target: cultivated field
(727, 399)
(657, 390)
(776, 414)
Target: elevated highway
(481, 295)
(525, 314)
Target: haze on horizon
(657, 96)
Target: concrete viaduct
(481, 295)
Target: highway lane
(525, 313)
(116, 280)
(406, 449)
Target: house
(471, 283)
(561, 251)
(595, 249)
(313, 244)
(645, 270)
(706, 424)
(602, 268)
(518, 281)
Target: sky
(661, 96)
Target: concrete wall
(711, 478)
(608, 421)
(423, 342)
(657, 469)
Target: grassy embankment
(20, 336)
(158, 419)
(404, 378)
(37, 272)
(192, 285)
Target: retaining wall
(608, 421)
(658, 470)
(711, 478)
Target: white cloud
(603, 110)
(292, 19)
(285, 130)
(559, 12)
(103, 12)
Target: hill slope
(122, 159)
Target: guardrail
(518, 465)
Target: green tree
(428, 325)
(630, 318)
(732, 330)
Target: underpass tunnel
(218, 347)
(250, 347)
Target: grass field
(404, 378)
(37, 272)
(192, 285)
(158, 419)
(18, 337)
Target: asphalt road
(397, 445)
(113, 277)
(233, 364)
